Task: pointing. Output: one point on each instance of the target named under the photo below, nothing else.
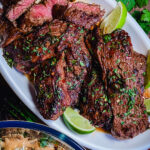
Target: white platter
(97, 140)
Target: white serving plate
(97, 140)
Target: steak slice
(94, 104)
(123, 75)
(52, 95)
(39, 14)
(64, 86)
(35, 47)
(83, 14)
(18, 9)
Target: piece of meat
(57, 28)
(36, 46)
(12, 35)
(83, 14)
(39, 14)
(18, 9)
(62, 88)
(77, 57)
(8, 3)
(94, 104)
(122, 70)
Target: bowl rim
(41, 128)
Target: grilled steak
(123, 75)
(78, 59)
(85, 15)
(94, 104)
(62, 88)
(39, 14)
(18, 9)
(35, 47)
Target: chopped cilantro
(107, 38)
(122, 122)
(82, 64)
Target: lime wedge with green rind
(147, 104)
(76, 122)
(147, 77)
(115, 20)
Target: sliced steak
(83, 14)
(63, 88)
(94, 104)
(36, 46)
(39, 14)
(18, 9)
(123, 75)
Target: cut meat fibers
(39, 14)
(18, 9)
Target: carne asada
(94, 104)
(64, 85)
(122, 71)
(85, 15)
(18, 9)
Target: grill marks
(65, 81)
(35, 47)
(94, 104)
(122, 71)
(83, 14)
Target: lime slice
(147, 77)
(115, 20)
(147, 104)
(76, 122)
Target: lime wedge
(76, 122)
(147, 77)
(115, 20)
(147, 104)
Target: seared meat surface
(94, 104)
(123, 71)
(61, 86)
(85, 15)
(35, 47)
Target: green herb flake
(82, 64)
(115, 71)
(107, 38)
(122, 122)
(43, 142)
(82, 31)
(44, 48)
(99, 48)
(93, 38)
(118, 61)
